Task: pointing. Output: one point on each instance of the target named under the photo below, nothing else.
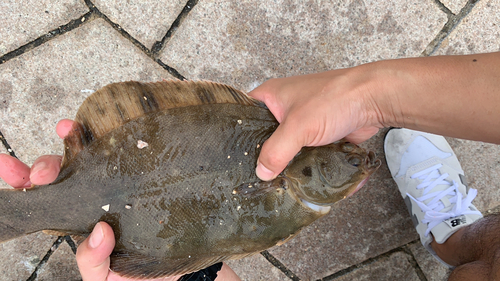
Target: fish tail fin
(14, 216)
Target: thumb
(276, 152)
(92, 255)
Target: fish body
(175, 179)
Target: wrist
(380, 83)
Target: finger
(45, 169)
(276, 152)
(362, 134)
(14, 172)
(265, 93)
(64, 127)
(92, 256)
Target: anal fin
(135, 265)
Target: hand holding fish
(431, 94)
(313, 110)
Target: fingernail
(264, 173)
(96, 236)
(37, 168)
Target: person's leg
(474, 250)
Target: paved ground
(53, 54)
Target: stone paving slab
(19, 257)
(396, 265)
(54, 79)
(61, 266)
(146, 23)
(454, 5)
(24, 21)
(256, 268)
(244, 43)
(479, 32)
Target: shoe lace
(431, 177)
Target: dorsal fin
(116, 104)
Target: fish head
(324, 175)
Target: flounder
(170, 166)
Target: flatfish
(170, 166)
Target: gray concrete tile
(61, 266)
(50, 82)
(454, 5)
(479, 31)
(432, 269)
(256, 268)
(24, 21)
(393, 267)
(244, 43)
(146, 21)
(19, 257)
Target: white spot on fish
(142, 144)
(128, 207)
(105, 207)
(145, 98)
(114, 168)
(246, 153)
(234, 191)
(239, 122)
(239, 207)
(229, 156)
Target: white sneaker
(432, 184)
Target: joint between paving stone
(45, 259)
(6, 145)
(413, 261)
(449, 26)
(360, 265)
(71, 243)
(274, 261)
(443, 8)
(159, 45)
(46, 37)
(95, 11)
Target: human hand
(314, 110)
(93, 253)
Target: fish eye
(354, 160)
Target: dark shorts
(207, 274)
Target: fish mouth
(360, 185)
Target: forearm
(456, 96)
